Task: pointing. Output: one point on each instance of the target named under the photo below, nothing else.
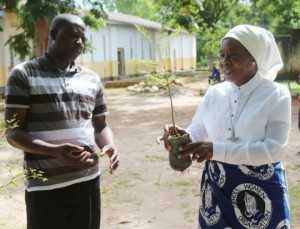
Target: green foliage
(160, 80)
(19, 44)
(28, 174)
(9, 4)
(277, 15)
(167, 81)
(206, 18)
(35, 174)
(210, 19)
(144, 8)
(94, 22)
(293, 86)
(144, 31)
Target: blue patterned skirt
(240, 196)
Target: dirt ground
(145, 193)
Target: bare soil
(145, 192)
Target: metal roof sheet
(120, 18)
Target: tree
(279, 16)
(206, 18)
(147, 9)
(34, 17)
(210, 19)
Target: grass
(156, 158)
(294, 194)
(181, 183)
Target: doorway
(121, 62)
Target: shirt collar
(248, 87)
(46, 63)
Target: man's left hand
(200, 151)
(112, 153)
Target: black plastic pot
(176, 163)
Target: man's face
(70, 41)
(237, 64)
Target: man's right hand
(74, 155)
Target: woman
(240, 130)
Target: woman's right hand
(170, 130)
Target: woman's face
(237, 64)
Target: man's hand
(168, 131)
(112, 153)
(74, 155)
(199, 151)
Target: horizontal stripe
(71, 175)
(30, 156)
(16, 106)
(65, 134)
(16, 99)
(18, 79)
(101, 114)
(45, 162)
(16, 90)
(44, 79)
(59, 116)
(53, 107)
(83, 89)
(60, 125)
(63, 184)
(59, 171)
(65, 97)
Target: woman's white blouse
(259, 113)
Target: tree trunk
(10, 4)
(40, 42)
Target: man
(215, 76)
(56, 113)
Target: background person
(215, 76)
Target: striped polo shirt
(60, 106)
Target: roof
(119, 18)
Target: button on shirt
(257, 113)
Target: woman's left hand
(199, 151)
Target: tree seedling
(177, 138)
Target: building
(289, 45)
(8, 23)
(127, 45)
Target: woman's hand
(168, 131)
(200, 151)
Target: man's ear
(53, 34)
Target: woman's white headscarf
(262, 46)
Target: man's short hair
(62, 20)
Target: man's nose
(80, 41)
(225, 58)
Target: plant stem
(172, 108)
(13, 180)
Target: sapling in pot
(177, 137)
